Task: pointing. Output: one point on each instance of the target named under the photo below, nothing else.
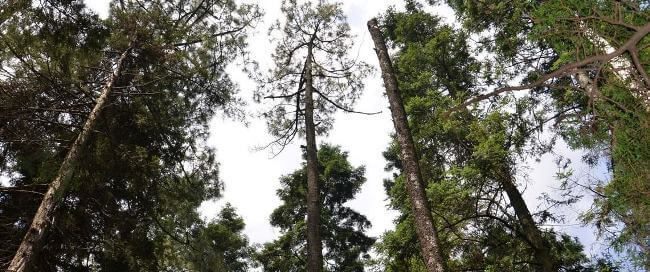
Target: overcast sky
(251, 177)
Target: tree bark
(424, 227)
(531, 233)
(314, 245)
(57, 189)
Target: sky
(251, 177)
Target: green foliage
(464, 157)
(606, 115)
(346, 246)
(146, 168)
(218, 245)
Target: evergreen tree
(313, 76)
(346, 244)
(426, 230)
(218, 245)
(468, 161)
(145, 167)
(586, 64)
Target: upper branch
(629, 46)
(341, 107)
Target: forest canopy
(520, 135)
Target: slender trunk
(56, 190)
(424, 227)
(531, 233)
(314, 246)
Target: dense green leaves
(593, 107)
(146, 168)
(468, 159)
(345, 243)
(218, 245)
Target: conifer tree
(312, 77)
(342, 228)
(468, 161)
(585, 64)
(145, 166)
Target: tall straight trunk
(531, 233)
(314, 245)
(424, 227)
(57, 188)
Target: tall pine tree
(468, 161)
(313, 76)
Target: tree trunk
(57, 189)
(314, 246)
(424, 227)
(531, 233)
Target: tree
(586, 64)
(43, 215)
(311, 59)
(343, 228)
(426, 230)
(468, 161)
(218, 245)
(145, 167)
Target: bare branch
(608, 20)
(13, 190)
(637, 63)
(284, 96)
(343, 108)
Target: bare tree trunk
(56, 190)
(424, 227)
(314, 244)
(531, 233)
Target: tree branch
(227, 32)
(637, 63)
(341, 107)
(629, 46)
(284, 96)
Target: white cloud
(98, 6)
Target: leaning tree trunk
(424, 227)
(314, 245)
(56, 190)
(530, 232)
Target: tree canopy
(134, 192)
(106, 160)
